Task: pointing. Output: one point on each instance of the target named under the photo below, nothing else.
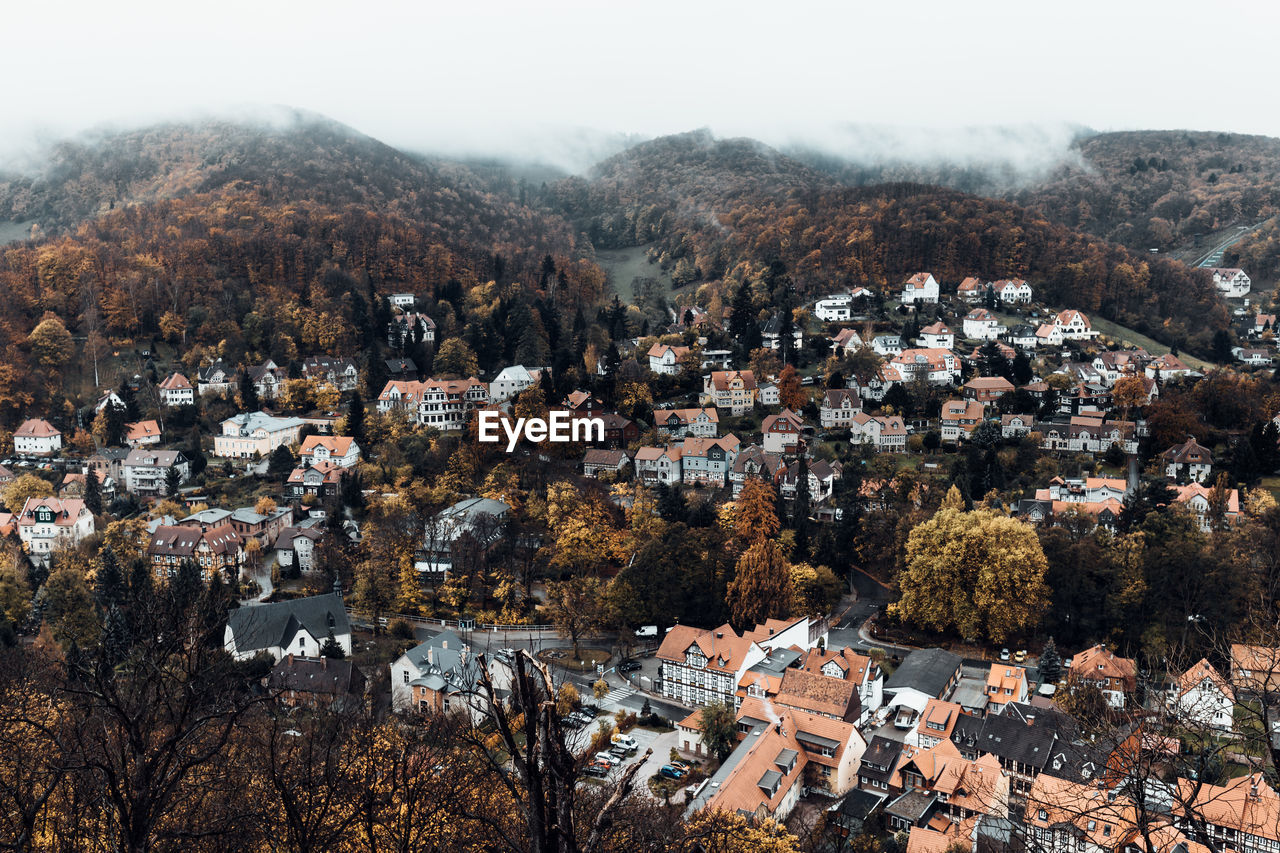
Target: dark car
(628, 666)
(594, 769)
(672, 772)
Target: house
(404, 327)
(934, 724)
(986, 389)
(1242, 814)
(6, 476)
(769, 395)
(972, 289)
(401, 300)
(659, 465)
(935, 365)
(47, 524)
(1231, 282)
(618, 431)
(481, 521)
(267, 379)
(1255, 670)
(771, 333)
(679, 423)
(948, 787)
(111, 398)
(706, 461)
(582, 405)
(1048, 334)
(923, 675)
(245, 521)
(339, 449)
(339, 373)
(296, 626)
(752, 462)
(322, 478)
(296, 546)
(886, 345)
(1200, 500)
(1087, 434)
(217, 378)
(1016, 426)
(1074, 325)
(1064, 816)
(1263, 323)
(1026, 740)
(510, 381)
(255, 434)
(142, 433)
(1114, 365)
(1023, 336)
(1005, 684)
(834, 309)
(851, 666)
(704, 665)
(937, 336)
(1190, 459)
(440, 675)
(838, 407)
(146, 472)
(887, 432)
(1114, 676)
(447, 403)
(665, 359)
(1253, 356)
(331, 685)
(1013, 291)
(1168, 366)
(822, 478)
(213, 549)
(735, 390)
(981, 325)
(176, 390)
(1202, 697)
(886, 377)
(782, 431)
(959, 418)
(37, 437)
(716, 359)
(401, 369)
(853, 815)
(107, 462)
(818, 694)
(846, 342)
(597, 461)
(692, 317)
(921, 287)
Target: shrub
(400, 629)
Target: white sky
(513, 77)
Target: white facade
(1231, 282)
(47, 524)
(37, 438)
(921, 287)
(510, 382)
(982, 325)
(834, 309)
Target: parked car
(596, 769)
(627, 742)
(1020, 656)
(1004, 655)
(628, 666)
(619, 752)
(608, 758)
(672, 772)
(681, 765)
(571, 721)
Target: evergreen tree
(671, 504)
(989, 298)
(743, 327)
(115, 420)
(116, 637)
(108, 582)
(184, 588)
(248, 393)
(801, 507)
(331, 648)
(1050, 663)
(172, 479)
(195, 453)
(281, 463)
(355, 418)
(1022, 372)
(92, 493)
(130, 400)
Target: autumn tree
(456, 359)
(27, 486)
(719, 729)
(51, 344)
(577, 607)
(979, 573)
(790, 391)
(755, 515)
(761, 585)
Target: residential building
(597, 461)
(1167, 366)
(1023, 337)
(319, 682)
(582, 404)
(1013, 291)
(959, 418)
(1115, 676)
(1200, 500)
(887, 432)
(771, 334)
(510, 381)
(856, 668)
(401, 369)
(403, 327)
(268, 379)
(1253, 356)
(1086, 434)
(822, 476)
(1048, 335)
(111, 398)
(1255, 669)
(176, 390)
(659, 465)
(107, 462)
(339, 373)
(1201, 697)
(401, 300)
(322, 479)
(1016, 426)
(986, 389)
(216, 378)
(1231, 282)
(735, 390)
(769, 395)
(886, 345)
(142, 433)
(665, 359)
(981, 325)
(716, 359)
(213, 549)
(341, 450)
(781, 432)
(401, 396)
(296, 546)
(447, 403)
(296, 626)
(1074, 326)
(834, 309)
(47, 524)
(619, 432)
(1005, 684)
(680, 423)
(753, 462)
(707, 461)
(935, 365)
(921, 287)
(256, 434)
(1064, 816)
(951, 786)
(37, 437)
(146, 472)
(923, 675)
(838, 407)
(846, 342)
(1242, 814)
(1190, 460)
(935, 723)
(937, 336)
(1114, 365)
(440, 675)
(481, 520)
(972, 289)
(1263, 323)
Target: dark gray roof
(912, 806)
(786, 757)
(926, 670)
(858, 804)
(778, 661)
(445, 664)
(770, 779)
(268, 625)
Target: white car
(608, 758)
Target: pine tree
(184, 588)
(92, 493)
(248, 393)
(355, 418)
(331, 648)
(801, 507)
(108, 582)
(116, 638)
(172, 479)
(1050, 663)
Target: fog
(570, 81)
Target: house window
(406, 676)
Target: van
(647, 631)
(627, 742)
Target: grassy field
(1129, 336)
(623, 265)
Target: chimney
(290, 658)
(719, 635)
(324, 662)
(431, 658)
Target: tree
(248, 392)
(719, 729)
(761, 585)
(332, 649)
(172, 479)
(755, 516)
(576, 607)
(265, 506)
(27, 486)
(455, 358)
(978, 573)
(1050, 663)
(409, 589)
(15, 592)
(92, 492)
(566, 699)
(281, 462)
(790, 391)
(355, 418)
(599, 688)
(51, 344)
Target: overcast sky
(494, 77)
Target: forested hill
(727, 210)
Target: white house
(659, 464)
(145, 471)
(47, 524)
(37, 437)
(255, 433)
(887, 434)
(665, 359)
(887, 344)
(921, 287)
(839, 405)
(401, 300)
(1191, 457)
(981, 325)
(1231, 281)
(298, 626)
(339, 449)
(176, 390)
(297, 545)
(846, 342)
(440, 675)
(1203, 697)
(781, 432)
(1013, 291)
(1074, 325)
(510, 382)
(937, 336)
(834, 309)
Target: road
(1214, 257)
